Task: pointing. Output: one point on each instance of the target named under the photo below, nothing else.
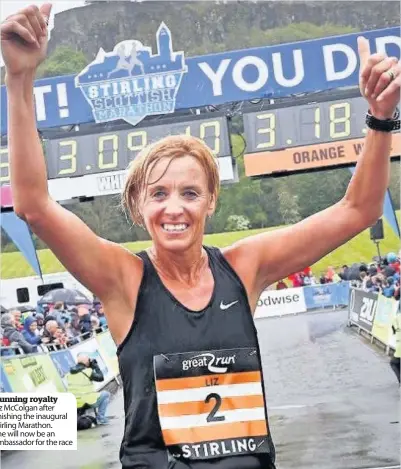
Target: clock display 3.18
(306, 124)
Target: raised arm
(97, 263)
(263, 259)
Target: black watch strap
(387, 125)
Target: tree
(63, 61)
(237, 223)
(288, 203)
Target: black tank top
(192, 381)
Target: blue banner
(131, 82)
(329, 294)
(63, 361)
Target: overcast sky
(9, 7)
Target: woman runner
(182, 313)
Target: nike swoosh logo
(223, 306)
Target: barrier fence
(46, 371)
(374, 314)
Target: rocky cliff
(206, 27)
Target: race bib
(211, 403)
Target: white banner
(280, 302)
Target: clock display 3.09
(79, 155)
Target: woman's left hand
(379, 81)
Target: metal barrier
(48, 367)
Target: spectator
(13, 335)
(364, 278)
(84, 321)
(372, 270)
(75, 326)
(80, 383)
(332, 276)
(40, 323)
(17, 315)
(296, 280)
(309, 279)
(95, 323)
(377, 285)
(389, 287)
(387, 269)
(102, 317)
(344, 272)
(71, 334)
(30, 331)
(60, 337)
(363, 268)
(393, 261)
(50, 333)
(281, 285)
(59, 313)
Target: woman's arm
(73, 243)
(263, 259)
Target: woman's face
(176, 203)
(33, 327)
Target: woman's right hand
(24, 39)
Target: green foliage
(237, 223)
(360, 248)
(63, 61)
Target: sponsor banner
(211, 403)
(90, 348)
(32, 373)
(280, 302)
(385, 313)
(4, 383)
(108, 350)
(308, 157)
(362, 308)
(63, 361)
(131, 82)
(329, 294)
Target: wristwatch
(384, 125)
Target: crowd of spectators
(381, 276)
(56, 324)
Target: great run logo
(214, 364)
(131, 83)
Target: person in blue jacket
(29, 331)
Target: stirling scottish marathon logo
(131, 83)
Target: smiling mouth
(175, 228)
